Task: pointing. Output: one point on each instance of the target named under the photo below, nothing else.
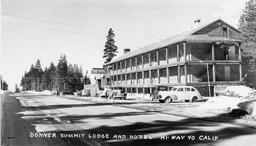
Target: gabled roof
(189, 36)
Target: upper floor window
(225, 32)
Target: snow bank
(241, 91)
(222, 102)
(249, 106)
(45, 92)
(2, 92)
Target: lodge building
(204, 57)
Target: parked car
(153, 95)
(117, 94)
(67, 93)
(179, 93)
(86, 92)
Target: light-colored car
(117, 94)
(180, 93)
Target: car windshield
(174, 89)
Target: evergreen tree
(110, 47)
(79, 77)
(62, 73)
(4, 86)
(45, 80)
(247, 24)
(61, 78)
(38, 75)
(52, 77)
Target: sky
(45, 29)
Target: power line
(78, 32)
(80, 26)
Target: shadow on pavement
(204, 130)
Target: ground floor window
(147, 90)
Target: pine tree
(45, 80)
(52, 77)
(62, 73)
(5, 85)
(247, 24)
(110, 50)
(38, 75)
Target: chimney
(127, 50)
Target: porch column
(167, 75)
(143, 80)
(185, 72)
(149, 60)
(240, 71)
(117, 69)
(125, 78)
(213, 72)
(213, 52)
(239, 52)
(178, 53)
(150, 76)
(157, 57)
(131, 64)
(166, 55)
(136, 62)
(131, 78)
(117, 81)
(158, 75)
(179, 74)
(185, 52)
(142, 61)
(125, 65)
(136, 75)
(121, 66)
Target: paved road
(83, 122)
(16, 131)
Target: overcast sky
(45, 29)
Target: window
(174, 89)
(225, 32)
(187, 89)
(181, 89)
(128, 76)
(192, 89)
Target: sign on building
(98, 71)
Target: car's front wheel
(194, 99)
(168, 100)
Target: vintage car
(117, 94)
(67, 93)
(156, 89)
(179, 93)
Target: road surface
(54, 120)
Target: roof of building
(189, 36)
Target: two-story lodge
(204, 57)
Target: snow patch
(241, 91)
